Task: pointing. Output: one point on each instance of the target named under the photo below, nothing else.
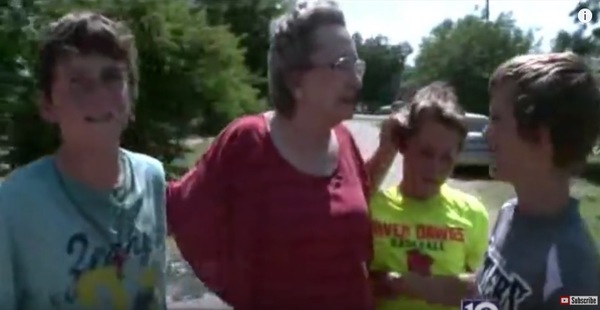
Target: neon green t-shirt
(443, 235)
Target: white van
(475, 150)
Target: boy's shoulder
(384, 197)
(462, 200)
(509, 205)
(577, 252)
(26, 178)
(576, 235)
(145, 164)
(26, 182)
(453, 197)
(572, 248)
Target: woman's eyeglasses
(350, 64)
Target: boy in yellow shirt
(423, 226)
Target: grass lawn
(586, 188)
(493, 193)
(198, 147)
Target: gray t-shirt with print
(532, 261)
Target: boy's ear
(292, 82)
(544, 136)
(46, 110)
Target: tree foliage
(250, 21)
(465, 52)
(585, 40)
(385, 64)
(193, 79)
(578, 42)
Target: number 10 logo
(470, 304)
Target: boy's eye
(76, 80)
(426, 152)
(113, 76)
(447, 158)
(81, 83)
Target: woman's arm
(379, 163)
(195, 216)
(386, 284)
(442, 290)
(198, 208)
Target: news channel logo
(584, 15)
(478, 304)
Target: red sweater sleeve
(198, 209)
(358, 160)
(362, 171)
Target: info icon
(584, 16)
(478, 304)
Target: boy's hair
(556, 91)
(86, 33)
(437, 100)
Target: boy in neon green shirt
(423, 226)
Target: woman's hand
(442, 290)
(388, 285)
(390, 138)
(390, 133)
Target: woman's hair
(292, 46)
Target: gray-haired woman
(275, 216)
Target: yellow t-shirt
(443, 235)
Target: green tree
(465, 52)
(408, 85)
(193, 79)
(17, 87)
(586, 39)
(592, 5)
(250, 21)
(385, 64)
(577, 42)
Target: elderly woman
(274, 215)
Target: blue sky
(411, 20)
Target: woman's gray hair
(292, 45)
